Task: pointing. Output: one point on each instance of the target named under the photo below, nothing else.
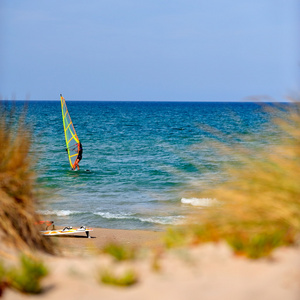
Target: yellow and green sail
(72, 140)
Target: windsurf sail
(72, 140)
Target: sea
(145, 164)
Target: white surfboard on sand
(67, 230)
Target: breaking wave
(163, 220)
(200, 202)
(59, 213)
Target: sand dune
(210, 271)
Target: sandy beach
(99, 237)
(209, 271)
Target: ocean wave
(163, 220)
(168, 220)
(59, 213)
(108, 215)
(201, 202)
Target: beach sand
(99, 237)
(209, 271)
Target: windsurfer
(79, 157)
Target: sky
(142, 50)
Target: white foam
(108, 215)
(168, 220)
(164, 220)
(59, 213)
(201, 202)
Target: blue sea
(148, 162)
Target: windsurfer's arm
(79, 147)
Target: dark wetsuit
(80, 152)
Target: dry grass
(260, 203)
(127, 278)
(120, 252)
(17, 185)
(25, 278)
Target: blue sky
(216, 50)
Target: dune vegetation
(25, 278)
(258, 206)
(18, 198)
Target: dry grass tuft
(120, 252)
(17, 185)
(126, 279)
(25, 278)
(260, 203)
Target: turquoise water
(144, 158)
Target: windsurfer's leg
(79, 158)
(76, 164)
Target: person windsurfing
(79, 156)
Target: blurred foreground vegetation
(259, 205)
(25, 278)
(18, 217)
